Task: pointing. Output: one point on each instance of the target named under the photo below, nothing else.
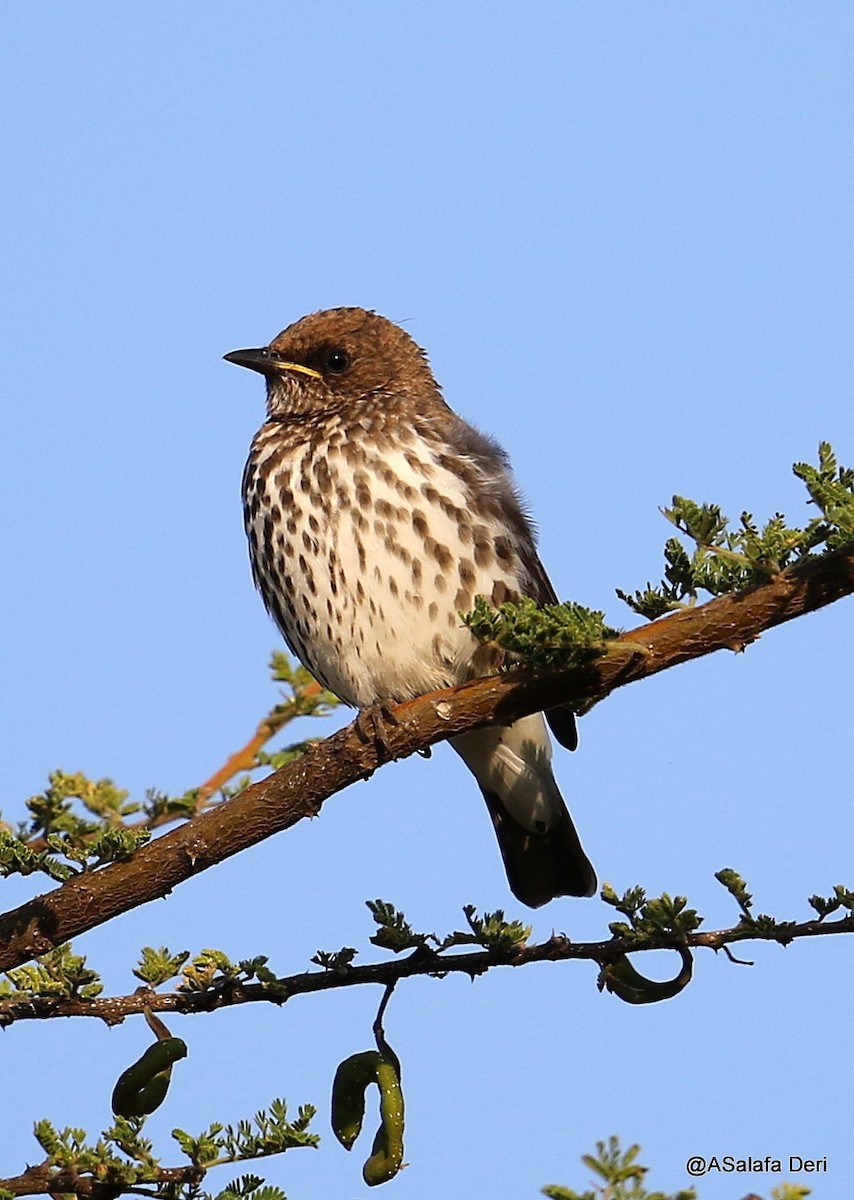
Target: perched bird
(375, 516)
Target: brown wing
(493, 485)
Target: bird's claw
(370, 725)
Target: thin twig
(434, 964)
(246, 758)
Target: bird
(375, 516)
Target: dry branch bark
(300, 789)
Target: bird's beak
(263, 361)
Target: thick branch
(299, 790)
(423, 961)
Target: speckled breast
(366, 554)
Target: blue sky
(624, 234)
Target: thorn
(739, 962)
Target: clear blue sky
(624, 233)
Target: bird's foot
(371, 723)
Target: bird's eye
(336, 361)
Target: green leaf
(726, 559)
(59, 973)
(16, 858)
(736, 887)
(208, 968)
(394, 933)
(335, 960)
(651, 922)
(554, 635)
(621, 1174)
(494, 932)
(268, 1133)
(158, 966)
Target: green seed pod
(352, 1079)
(387, 1151)
(621, 978)
(143, 1086)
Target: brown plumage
(375, 516)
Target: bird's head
(329, 360)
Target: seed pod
(352, 1079)
(621, 978)
(387, 1151)
(143, 1086)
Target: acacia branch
(300, 789)
(46, 1179)
(422, 961)
(246, 758)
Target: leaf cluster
(725, 559)
(304, 696)
(555, 635)
(492, 931)
(750, 924)
(394, 931)
(122, 1159)
(621, 1174)
(842, 898)
(121, 1156)
(269, 1132)
(246, 1187)
(59, 841)
(622, 1178)
(59, 973)
(209, 970)
(649, 923)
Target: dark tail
(542, 853)
(541, 866)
